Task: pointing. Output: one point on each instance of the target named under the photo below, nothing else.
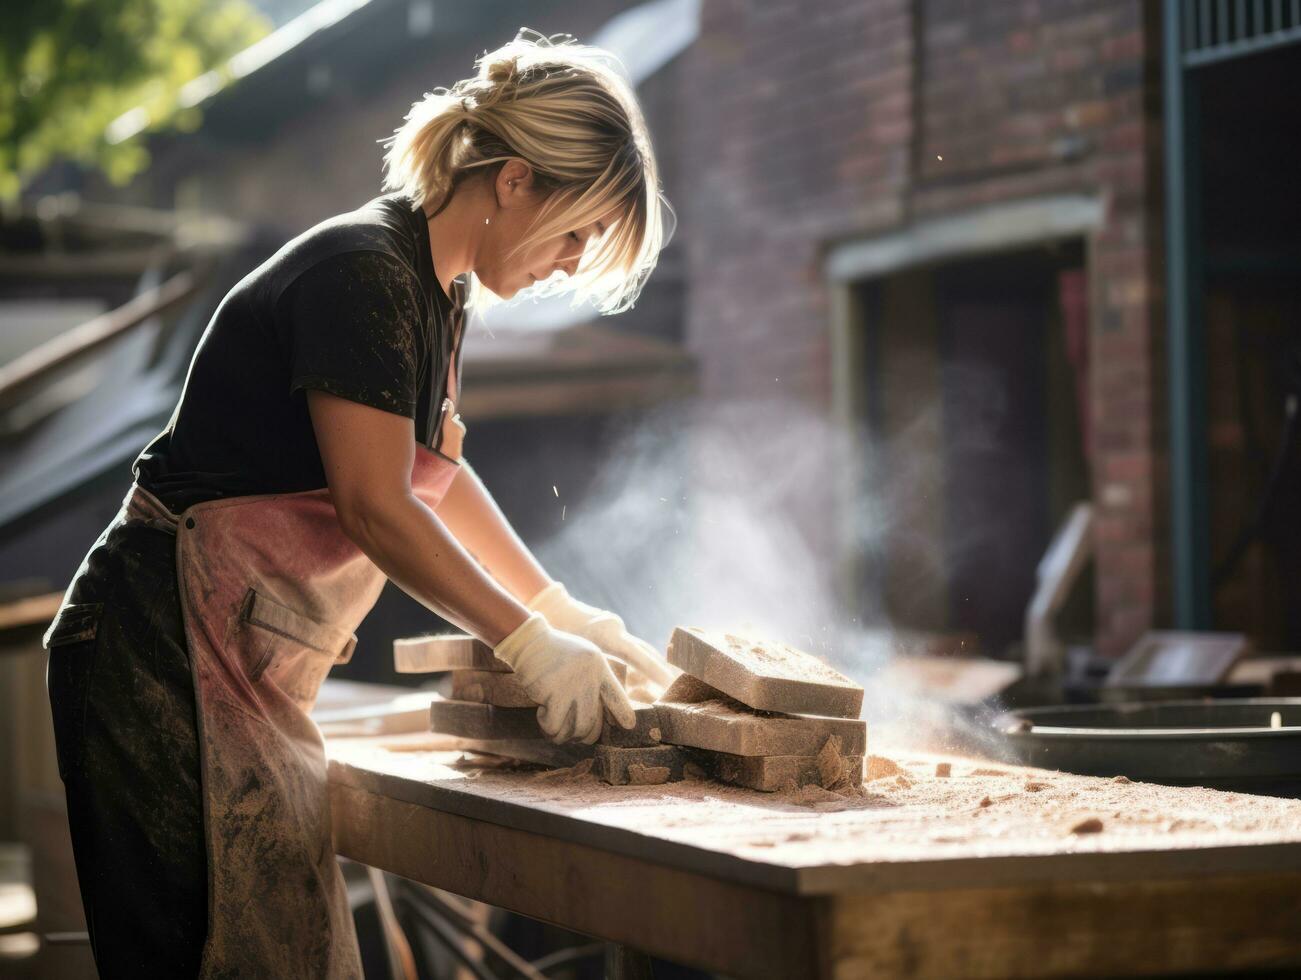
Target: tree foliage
(69, 68)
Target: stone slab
(726, 727)
(451, 651)
(640, 767)
(470, 719)
(686, 689)
(772, 773)
(645, 734)
(503, 690)
(490, 687)
(460, 651)
(763, 674)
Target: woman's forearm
(472, 515)
(410, 544)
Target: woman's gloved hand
(606, 630)
(569, 679)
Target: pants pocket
(72, 639)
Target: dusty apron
(271, 592)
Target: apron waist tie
(141, 505)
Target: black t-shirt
(351, 307)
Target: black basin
(1247, 744)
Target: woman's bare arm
(368, 455)
(470, 512)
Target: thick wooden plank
(680, 915)
(1071, 928)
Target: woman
(315, 452)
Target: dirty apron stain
(271, 592)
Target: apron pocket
(292, 651)
(71, 640)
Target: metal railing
(1214, 30)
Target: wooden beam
(93, 334)
(37, 610)
(115, 263)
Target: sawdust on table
(904, 813)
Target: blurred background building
(1019, 254)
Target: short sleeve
(354, 325)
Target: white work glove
(569, 679)
(606, 630)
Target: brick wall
(805, 124)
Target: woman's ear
(514, 184)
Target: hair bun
(504, 73)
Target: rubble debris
(831, 768)
(639, 775)
(878, 767)
(639, 766)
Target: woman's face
(518, 205)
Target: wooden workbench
(980, 873)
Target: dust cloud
(729, 517)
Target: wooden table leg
(623, 963)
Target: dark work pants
(124, 724)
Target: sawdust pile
(878, 767)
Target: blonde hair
(564, 109)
